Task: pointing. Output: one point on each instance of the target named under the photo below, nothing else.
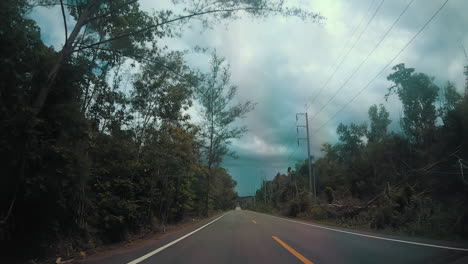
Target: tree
(330, 194)
(216, 96)
(117, 27)
(417, 93)
(352, 137)
(94, 162)
(157, 95)
(450, 98)
(409, 182)
(379, 122)
(223, 189)
(96, 20)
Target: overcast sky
(281, 63)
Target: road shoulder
(127, 251)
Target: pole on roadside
(315, 190)
(255, 196)
(308, 155)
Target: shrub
(330, 194)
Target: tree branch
(108, 13)
(175, 20)
(133, 56)
(49, 5)
(64, 21)
(10, 209)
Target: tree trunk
(64, 54)
(210, 162)
(207, 198)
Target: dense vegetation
(96, 139)
(410, 181)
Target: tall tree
(120, 26)
(449, 98)
(79, 168)
(418, 93)
(216, 96)
(379, 122)
(158, 94)
(352, 137)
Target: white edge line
(140, 259)
(370, 236)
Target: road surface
(241, 236)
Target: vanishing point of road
(244, 237)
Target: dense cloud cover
(281, 63)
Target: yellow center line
(292, 251)
(253, 221)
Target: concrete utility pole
(264, 187)
(315, 190)
(255, 195)
(308, 151)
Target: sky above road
(283, 64)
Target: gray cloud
(281, 62)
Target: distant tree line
(414, 181)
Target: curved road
(247, 237)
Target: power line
(349, 39)
(297, 134)
(344, 58)
(386, 66)
(346, 55)
(289, 149)
(340, 54)
(291, 152)
(294, 152)
(365, 59)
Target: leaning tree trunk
(63, 56)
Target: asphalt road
(248, 237)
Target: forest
(411, 181)
(97, 137)
(100, 142)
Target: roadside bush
(318, 213)
(403, 197)
(297, 205)
(382, 214)
(330, 194)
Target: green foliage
(417, 93)
(330, 194)
(379, 122)
(217, 98)
(94, 164)
(352, 136)
(222, 194)
(219, 111)
(408, 183)
(382, 215)
(96, 140)
(297, 205)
